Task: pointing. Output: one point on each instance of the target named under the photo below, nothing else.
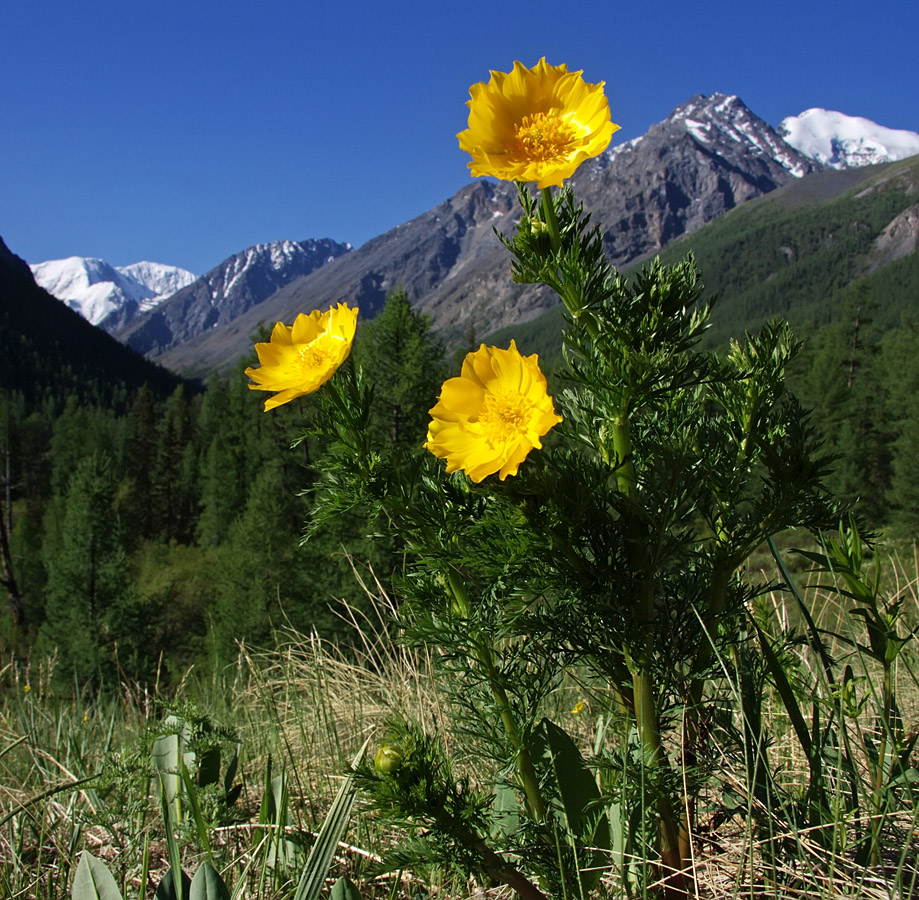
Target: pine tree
(220, 491)
(88, 590)
(8, 578)
(257, 563)
(173, 490)
(900, 365)
(140, 458)
(399, 352)
(843, 386)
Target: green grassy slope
(795, 253)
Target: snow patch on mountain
(719, 118)
(162, 280)
(95, 289)
(287, 259)
(224, 293)
(839, 141)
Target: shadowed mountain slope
(50, 352)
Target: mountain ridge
(785, 254)
(710, 155)
(669, 182)
(52, 354)
(225, 292)
(838, 141)
(97, 290)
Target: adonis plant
(595, 533)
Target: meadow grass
(75, 772)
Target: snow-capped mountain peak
(225, 292)
(95, 289)
(724, 118)
(163, 281)
(838, 141)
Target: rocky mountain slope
(808, 252)
(708, 156)
(225, 293)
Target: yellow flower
(301, 358)
(489, 418)
(535, 124)
(578, 708)
(26, 688)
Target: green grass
(303, 707)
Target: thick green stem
(550, 218)
(880, 775)
(526, 772)
(622, 445)
(495, 865)
(647, 718)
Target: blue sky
(183, 132)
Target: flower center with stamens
(541, 137)
(318, 354)
(504, 416)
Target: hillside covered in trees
(836, 255)
(152, 537)
(150, 524)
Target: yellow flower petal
(301, 358)
(535, 124)
(488, 419)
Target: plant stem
(484, 654)
(879, 774)
(494, 864)
(647, 719)
(622, 444)
(525, 769)
(550, 218)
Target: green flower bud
(387, 760)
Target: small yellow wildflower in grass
(489, 418)
(535, 124)
(27, 688)
(301, 358)
(578, 708)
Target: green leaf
(506, 810)
(209, 767)
(228, 788)
(343, 889)
(175, 875)
(165, 756)
(208, 885)
(166, 890)
(191, 792)
(577, 787)
(323, 851)
(785, 690)
(584, 816)
(93, 880)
